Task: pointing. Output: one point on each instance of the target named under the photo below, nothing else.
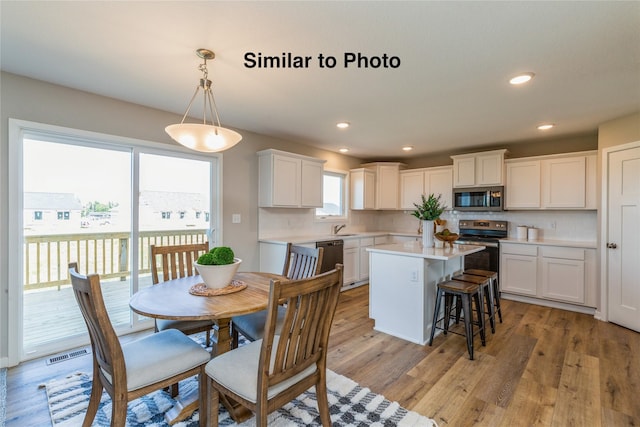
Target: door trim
(602, 312)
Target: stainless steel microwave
(478, 199)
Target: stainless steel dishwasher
(331, 255)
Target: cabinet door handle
(612, 245)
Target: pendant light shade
(204, 137)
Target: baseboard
(549, 303)
(354, 285)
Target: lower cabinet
(519, 265)
(356, 259)
(559, 273)
(351, 261)
(563, 275)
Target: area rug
(3, 396)
(350, 406)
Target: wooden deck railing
(46, 257)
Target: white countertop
(549, 242)
(415, 249)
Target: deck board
(51, 315)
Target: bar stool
(493, 276)
(487, 291)
(466, 292)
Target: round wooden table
(172, 300)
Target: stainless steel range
(486, 233)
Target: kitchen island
(402, 285)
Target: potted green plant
(217, 267)
(428, 211)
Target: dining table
(178, 299)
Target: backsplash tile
(555, 225)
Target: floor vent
(68, 356)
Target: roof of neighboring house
(52, 201)
(173, 201)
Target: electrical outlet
(235, 219)
(552, 225)
(414, 275)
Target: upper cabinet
(386, 177)
(566, 181)
(478, 169)
(415, 182)
(363, 188)
(289, 180)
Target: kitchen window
(333, 196)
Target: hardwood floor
(543, 367)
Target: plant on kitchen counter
(430, 209)
(220, 255)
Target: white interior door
(623, 236)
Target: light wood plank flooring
(543, 367)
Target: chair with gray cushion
(132, 370)
(300, 262)
(268, 373)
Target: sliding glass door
(99, 203)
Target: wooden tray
(202, 290)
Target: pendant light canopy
(204, 137)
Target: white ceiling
(449, 93)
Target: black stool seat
(493, 276)
(466, 292)
(488, 294)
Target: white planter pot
(218, 276)
(427, 234)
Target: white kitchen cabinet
(523, 185)
(549, 272)
(411, 187)
(591, 198)
(479, 169)
(351, 261)
(519, 269)
(440, 181)
(565, 181)
(363, 191)
(387, 183)
(563, 274)
(289, 180)
(415, 182)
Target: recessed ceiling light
(407, 148)
(344, 150)
(343, 125)
(546, 126)
(521, 78)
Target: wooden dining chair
(178, 261)
(129, 371)
(300, 262)
(266, 374)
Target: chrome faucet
(337, 228)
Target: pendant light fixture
(204, 137)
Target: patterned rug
(3, 396)
(350, 406)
